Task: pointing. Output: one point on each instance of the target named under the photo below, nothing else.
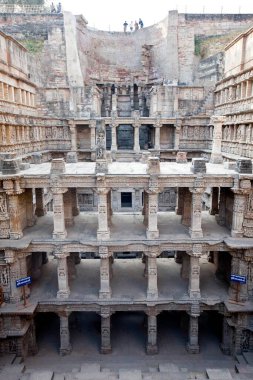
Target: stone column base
(151, 349)
(69, 222)
(236, 233)
(103, 235)
(225, 349)
(16, 235)
(194, 294)
(152, 234)
(65, 351)
(60, 235)
(195, 234)
(105, 295)
(63, 294)
(106, 350)
(151, 295)
(192, 349)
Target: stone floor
(86, 224)
(128, 282)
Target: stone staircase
(13, 368)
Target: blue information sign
(23, 281)
(238, 278)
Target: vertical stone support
(226, 337)
(237, 349)
(186, 215)
(93, 134)
(103, 232)
(214, 209)
(152, 229)
(151, 347)
(14, 268)
(185, 268)
(58, 209)
(221, 217)
(157, 136)
(23, 271)
(40, 209)
(194, 272)
(14, 214)
(240, 198)
(180, 200)
(152, 289)
(239, 266)
(193, 337)
(30, 217)
(196, 210)
(145, 208)
(32, 344)
(63, 277)
(68, 209)
(72, 128)
(114, 146)
(216, 155)
(65, 346)
(177, 134)
(74, 201)
(109, 207)
(105, 275)
(105, 331)
(136, 137)
(71, 264)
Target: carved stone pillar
(145, 208)
(14, 268)
(193, 336)
(40, 209)
(239, 266)
(152, 290)
(105, 285)
(194, 274)
(196, 210)
(63, 277)
(238, 212)
(73, 136)
(30, 217)
(216, 155)
(74, 201)
(152, 229)
(226, 337)
(151, 347)
(157, 137)
(221, 217)
(136, 137)
(105, 332)
(214, 209)
(59, 219)
(93, 134)
(23, 271)
(185, 268)
(180, 200)
(68, 209)
(186, 215)
(177, 135)
(103, 232)
(14, 214)
(65, 346)
(71, 264)
(114, 146)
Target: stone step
(169, 367)
(218, 374)
(90, 367)
(135, 374)
(41, 375)
(241, 359)
(244, 368)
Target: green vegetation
(33, 46)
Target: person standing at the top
(140, 23)
(52, 8)
(59, 8)
(136, 26)
(125, 26)
(131, 26)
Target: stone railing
(16, 8)
(240, 105)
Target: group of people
(133, 25)
(56, 9)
